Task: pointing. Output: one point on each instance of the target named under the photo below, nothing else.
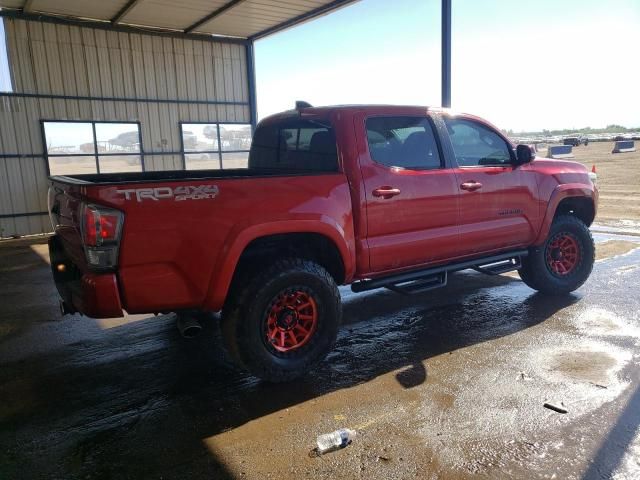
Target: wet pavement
(447, 384)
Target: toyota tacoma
(372, 196)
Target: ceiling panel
(243, 18)
(253, 16)
(12, 3)
(176, 15)
(97, 9)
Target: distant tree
(613, 128)
(210, 132)
(126, 139)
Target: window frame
(510, 149)
(434, 132)
(220, 152)
(95, 153)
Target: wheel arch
(581, 207)
(322, 242)
(569, 199)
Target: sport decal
(178, 194)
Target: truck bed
(179, 175)
(176, 248)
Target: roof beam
(106, 25)
(323, 10)
(212, 15)
(123, 11)
(27, 7)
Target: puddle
(617, 226)
(486, 423)
(587, 366)
(614, 248)
(584, 373)
(602, 322)
(626, 269)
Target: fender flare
(560, 193)
(242, 235)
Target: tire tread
(534, 271)
(240, 307)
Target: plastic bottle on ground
(334, 440)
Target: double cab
(392, 197)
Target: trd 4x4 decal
(185, 192)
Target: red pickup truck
(372, 196)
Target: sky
(64, 134)
(522, 65)
(5, 81)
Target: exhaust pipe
(188, 326)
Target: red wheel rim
(563, 254)
(291, 320)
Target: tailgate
(64, 205)
(84, 250)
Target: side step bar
(419, 281)
(418, 286)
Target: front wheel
(565, 260)
(284, 320)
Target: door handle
(386, 192)
(471, 186)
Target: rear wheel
(283, 320)
(564, 262)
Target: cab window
(476, 145)
(403, 142)
(294, 145)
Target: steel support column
(251, 76)
(446, 53)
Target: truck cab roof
(329, 111)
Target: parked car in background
(575, 141)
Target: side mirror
(523, 154)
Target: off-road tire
(251, 297)
(539, 275)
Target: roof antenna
(300, 104)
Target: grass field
(618, 181)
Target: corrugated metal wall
(121, 76)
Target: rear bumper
(93, 294)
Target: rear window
(299, 145)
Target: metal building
(119, 85)
(122, 85)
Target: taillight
(101, 228)
(101, 225)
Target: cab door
(497, 198)
(411, 195)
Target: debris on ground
(598, 385)
(524, 376)
(556, 408)
(329, 442)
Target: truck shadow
(613, 448)
(137, 401)
(23, 264)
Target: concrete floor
(448, 384)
